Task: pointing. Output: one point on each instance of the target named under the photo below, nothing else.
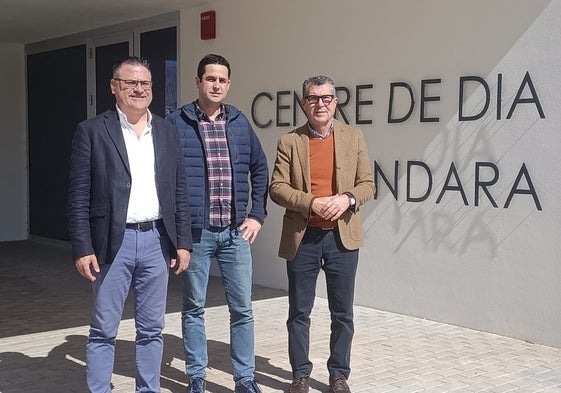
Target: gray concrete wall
(472, 264)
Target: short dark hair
(130, 60)
(212, 59)
(319, 80)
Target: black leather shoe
(339, 385)
(299, 385)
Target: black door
(159, 47)
(57, 102)
(58, 99)
(105, 57)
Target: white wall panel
(491, 268)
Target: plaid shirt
(219, 169)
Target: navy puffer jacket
(249, 166)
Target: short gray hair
(319, 80)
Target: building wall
(433, 250)
(13, 153)
(474, 264)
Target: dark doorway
(159, 47)
(58, 99)
(105, 57)
(57, 102)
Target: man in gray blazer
(321, 176)
(129, 222)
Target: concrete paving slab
(45, 306)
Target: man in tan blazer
(322, 174)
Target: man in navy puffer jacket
(227, 181)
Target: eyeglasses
(130, 84)
(326, 99)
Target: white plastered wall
(490, 268)
(13, 153)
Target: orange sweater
(322, 172)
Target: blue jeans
(142, 263)
(321, 250)
(233, 255)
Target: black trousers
(321, 250)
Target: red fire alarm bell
(208, 25)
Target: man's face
(319, 112)
(132, 98)
(214, 84)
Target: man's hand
(250, 228)
(181, 262)
(86, 265)
(331, 207)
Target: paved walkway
(44, 312)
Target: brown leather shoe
(339, 385)
(299, 385)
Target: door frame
(129, 31)
(106, 35)
(91, 45)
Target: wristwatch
(352, 200)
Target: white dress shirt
(143, 201)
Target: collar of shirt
(202, 116)
(317, 135)
(125, 125)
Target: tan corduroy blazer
(291, 185)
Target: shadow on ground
(38, 277)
